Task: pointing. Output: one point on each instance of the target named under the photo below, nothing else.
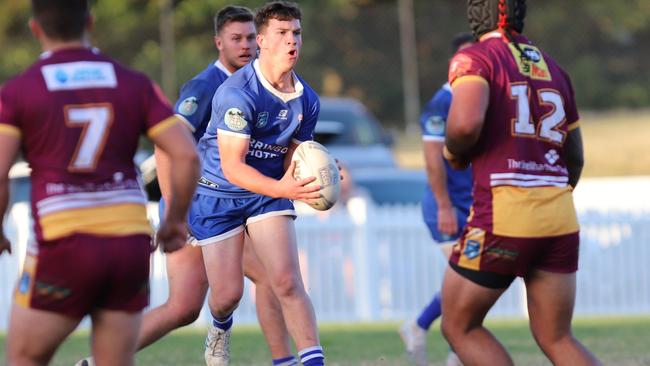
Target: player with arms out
(445, 206)
(514, 116)
(78, 127)
(235, 40)
(259, 116)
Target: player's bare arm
(9, 144)
(464, 124)
(437, 177)
(575, 159)
(233, 152)
(178, 144)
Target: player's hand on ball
(5, 245)
(171, 236)
(297, 189)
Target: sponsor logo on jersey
(534, 66)
(79, 75)
(23, 284)
(234, 119)
(460, 66)
(435, 125)
(283, 114)
(552, 156)
(472, 249)
(262, 119)
(188, 106)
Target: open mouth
(293, 53)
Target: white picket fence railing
(379, 263)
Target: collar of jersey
(47, 54)
(223, 68)
(285, 97)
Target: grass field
(616, 341)
(616, 144)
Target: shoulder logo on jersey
(262, 119)
(79, 75)
(534, 66)
(234, 119)
(435, 125)
(188, 106)
(552, 156)
(460, 65)
(283, 114)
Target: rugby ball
(313, 160)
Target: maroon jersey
(79, 115)
(521, 179)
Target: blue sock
(222, 323)
(286, 361)
(430, 313)
(312, 356)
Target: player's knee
(225, 300)
(287, 285)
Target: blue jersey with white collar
(247, 106)
(194, 102)
(433, 122)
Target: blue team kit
(247, 106)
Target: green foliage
(352, 47)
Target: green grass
(616, 341)
(616, 144)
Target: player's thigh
(223, 263)
(114, 336)
(464, 302)
(274, 242)
(551, 298)
(253, 267)
(186, 274)
(36, 334)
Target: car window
(358, 129)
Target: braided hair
(487, 15)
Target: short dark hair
(280, 10)
(63, 20)
(460, 39)
(231, 13)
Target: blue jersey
(433, 121)
(194, 104)
(247, 106)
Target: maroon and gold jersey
(520, 177)
(79, 115)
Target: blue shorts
(213, 219)
(430, 215)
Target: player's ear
(218, 43)
(35, 28)
(260, 40)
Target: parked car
(391, 185)
(353, 135)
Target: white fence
(380, 263)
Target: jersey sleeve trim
(433, 138)
(573, 126)
(296, 141)
(233, 134)
(7, 129)
(162, 126)
(468, 78)
(185, 122)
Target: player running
(259, 116)
(513, 115)
(78, 116)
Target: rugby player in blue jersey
(445, 206)
(259, 116)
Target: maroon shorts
(80, 273)
(479, 250)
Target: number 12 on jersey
(548, 126)
(95, 120)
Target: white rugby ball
(313, 160)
